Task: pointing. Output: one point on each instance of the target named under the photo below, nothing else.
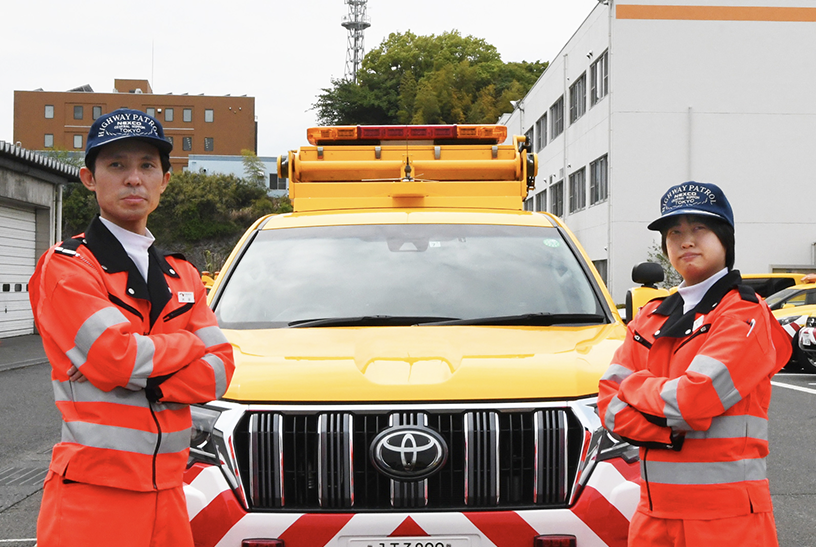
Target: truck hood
(439, 363)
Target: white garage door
(17, 261)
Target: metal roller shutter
(17, 262)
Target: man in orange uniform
(691, 387)
(132, 343)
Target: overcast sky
(281, 53)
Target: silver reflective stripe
(219, 372)
(617, 374)
(85, 392)
(734, 427)
(76, 356)
(143, 367)
(671, 409)
(615, 406)
(91, 330)
(697, 473)
(678, 424)
(211, 336)
(123, 439)
(161, 407)
(720, 379)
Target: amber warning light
(350, 134)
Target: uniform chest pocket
(177, 312)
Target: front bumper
(600, 517)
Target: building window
(529, 134)
(598, 180)
(187, 114)
(49, 140)
(78, 112)
(275, 183)
(599, 78)
(151, 112)
(577, 190)
(541, 132)
(602, 267)
(557, 118)
(541, 201)
(97, 111)
(208, 144)
(528, 203)
(557, 197)
(168, 114)
(49, 111)
(77, 141)
(578, 98)
(169, 139)
(187, 143)
(209, 115)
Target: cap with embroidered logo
(693, 198)
(125, 124)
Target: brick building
(196, 124)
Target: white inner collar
(694, 294)
(135, 245)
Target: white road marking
(796, 388)
(17, 540)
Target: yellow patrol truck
(417, 359)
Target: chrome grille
(496, 459)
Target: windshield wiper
(367, 321)
(533, 319)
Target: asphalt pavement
(21, 351)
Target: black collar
(679, 324)
(113, 258)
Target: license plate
(426, 541)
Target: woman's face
(694, 250)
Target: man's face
(128, 182)
(694, 250)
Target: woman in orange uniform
(691, 387)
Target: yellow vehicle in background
(417, 358)
(792, 307)
(766, 284)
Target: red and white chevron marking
(599, 518)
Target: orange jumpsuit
(148, 350)
(693, 390)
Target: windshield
(777, 299)
(419, 272)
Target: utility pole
(355, 22)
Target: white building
(234, 165)
(650, 93)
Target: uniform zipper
(646, 479)
(158, 443)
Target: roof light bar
(347, 134)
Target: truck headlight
(202, 444)
(611, 446)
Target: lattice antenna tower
(355, 22)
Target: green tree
(428, 79)
(200, 215)
(69, 157)
(254, 172)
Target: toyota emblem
(409, 452)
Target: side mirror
(648, 274)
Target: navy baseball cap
(125, 124)
(693, 198)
